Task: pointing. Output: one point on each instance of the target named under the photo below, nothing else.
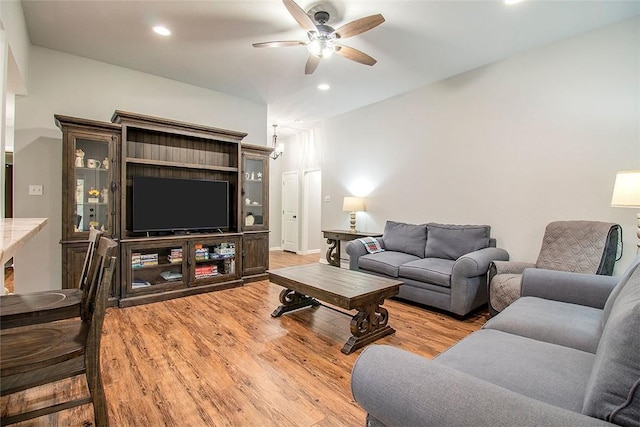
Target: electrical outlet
(35, 190)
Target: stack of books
(135, 260)
(206, 271)
(225, 249)
(175, 256)
(148, 259)
(202, 254)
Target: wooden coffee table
(306, 284)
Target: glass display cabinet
(255, 211)
(90, 198)
(93, 186)
(255, 187)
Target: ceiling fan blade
(280, 43)
(299, 15)
(355, 55)
(359, 26)
(312, 64)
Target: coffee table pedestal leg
(292, 300)
(368, 325)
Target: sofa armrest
(510, 267)
(401, 389)
(576, 288)
(356, 249)
(477, 263)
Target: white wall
(517, 144)
(12, 20)
(302, 153)
(70, 85)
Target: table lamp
(626, 193)
(353, 205)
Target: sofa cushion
(570, 325)
(547, 372)
(616, 291)
(386, 262)
(431, 270)
(452, 241)
(613, 392)
(407, 238)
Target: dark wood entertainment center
(100, 160)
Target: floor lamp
(626, 193)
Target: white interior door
(290, 192)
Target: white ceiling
(421, 42)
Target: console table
(334, 237)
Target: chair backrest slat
(103, 253)
(94, 237)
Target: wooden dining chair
(48, 306)
(39, 354)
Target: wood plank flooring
(220, 359)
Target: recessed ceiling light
(324, 86)
(512, 1)
(163, 31)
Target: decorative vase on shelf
(79, 158)
(249, 219)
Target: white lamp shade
(626, 191)
(353, 204)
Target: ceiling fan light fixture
(321, 46)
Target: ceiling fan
(323, 38)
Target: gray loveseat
(567, 353)
(441, 265)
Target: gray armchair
(589, 247)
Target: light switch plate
(35, 190)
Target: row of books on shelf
(175, 256)
(220, 251)
(202, 253)
(141, 260)
(206, 271)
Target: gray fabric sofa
(567, 353)
(441, 265)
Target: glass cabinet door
(153, 266)
(254, 194)
(92, 179)
(214, 260)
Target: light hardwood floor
(220, 359)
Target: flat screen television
(171, 204)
